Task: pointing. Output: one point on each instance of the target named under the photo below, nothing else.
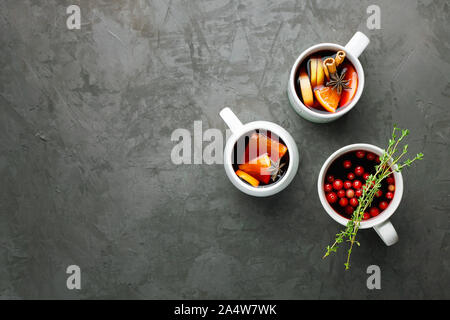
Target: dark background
(86, 176)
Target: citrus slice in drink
(328, 98)
(351, 75)
(248, 178)
(260, 168)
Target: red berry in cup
(391, 188)
(383, 205)
(366, 216)
(358, 193)
(349, 210)
(360, 154)
(331, 197)
(347, 164)
(350, 193)
(374, 212)
(377, 159)
(389, 195)
(379, 193)
(359, 171)
(366, 176)
(341, 193)
(390, 180)
(338, 184)
(357, 184)
(347, 184)
(343, 202)
(328, 187)
(330, 178)
(370, 156)
(351, 176)
(353, 202)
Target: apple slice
(305, 88)
(313, 71)
(320, 73)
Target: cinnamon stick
(330, 63)
(340, 56)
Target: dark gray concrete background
(86, 178)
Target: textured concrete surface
(86, 178)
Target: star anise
(337, 82)
(276, 169)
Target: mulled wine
(345, 179)
(326, 81)
(260, 158)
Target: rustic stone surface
(86, 118)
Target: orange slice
(305, 88)
(313, 71)
(248, 178)
(273, 147)
(259, 168)
(328, 98)
(351, 75)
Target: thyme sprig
(389, 161)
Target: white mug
(380, 223)
(239, 130)
(353, 49)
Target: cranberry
(347, 184)
(331, 197)
(350, 193)
(341, 193)
(390, 180)
(366, 176)
(330, 178)
(357, 184)
(359, 171)
(343, 202)
(353, 202)
(366, 216)
(338, 184)
(328, 187)
(374, 212)
(389, 195)
(347, 164)
(383, 205)
(349, 210)
(377, 159)
(379, 193)
(360, 154)
(351, 176)
(391, 188)
(358, 193)
(370, 156)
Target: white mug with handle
(381, 223)
(240, 130)
(353, 50)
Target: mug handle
(230, 119)
(386, 232)
(357, 44)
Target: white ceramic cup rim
(385, 214)
(292, 81)
(271, 189)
